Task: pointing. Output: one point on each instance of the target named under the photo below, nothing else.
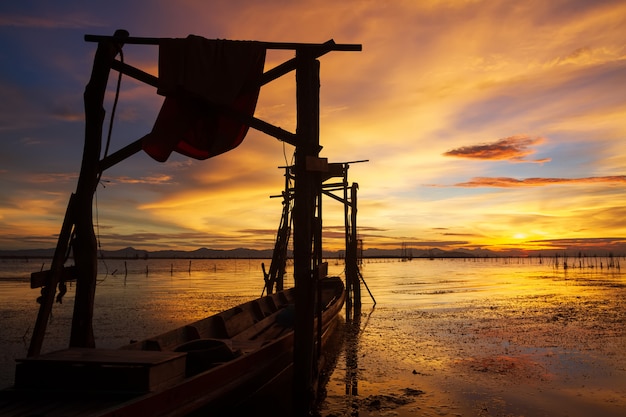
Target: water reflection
(454, 337)
(468, 328)
(353, 330)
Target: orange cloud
(513, 148)
(154, 179)
(584, 244)
(506, 182)
(65, 113)
(51, 177)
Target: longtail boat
(210, 366)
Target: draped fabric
(197, 76)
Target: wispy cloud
(514, 149)
(582, 244)
(468, 235)
(426, 244)
(506, 182)
(154, 179)
(51, 177)
(67, 114)
(589, 241)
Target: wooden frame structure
(77, 231)
(274, 277)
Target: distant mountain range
(205, 253)
(245, 253)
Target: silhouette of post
(307, 197)
(352, 264)
(79, 214)
(85, 245)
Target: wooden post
(276, 274)
(85, 245)
(48, 292)
(353, 284)
(347, 234)
(307, 191)
(354, 249)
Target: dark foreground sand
(542, 355)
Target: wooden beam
(331, 195)
(120, 155)
(269, 76)
(135, 73)
(266, 78)
(46, 278)
(132, 40)
(290, 65)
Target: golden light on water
(458, 335)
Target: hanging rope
(117, 95)
(106, 153)
(106, 268)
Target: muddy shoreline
(547, 354)
(480, 337)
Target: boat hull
(73, 382)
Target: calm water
(138, 298)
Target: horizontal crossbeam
(133, 40)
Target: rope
(117, 96)
(106, 267)
(106, 152)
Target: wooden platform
(78, 369)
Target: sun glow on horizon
(472, 143)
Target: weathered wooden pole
(354, 249)
(307, 192)
(279, 274)
(353, 284)
(84, 244)
(49, 290)
(276, 274)
(347, 235)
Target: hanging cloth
(195, 74)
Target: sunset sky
(487, 124)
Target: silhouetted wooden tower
(309, 173)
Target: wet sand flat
(554, 348)
(446, 338)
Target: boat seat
(282, 299)
(203, 354)
(232, 326)
(258, 311)
(264, 307)
(167, 341)
(87, 369)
